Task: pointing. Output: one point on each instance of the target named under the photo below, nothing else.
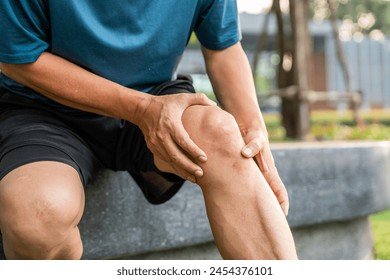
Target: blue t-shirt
(136, 43)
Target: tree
(294, 45)
(361, 15)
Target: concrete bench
(333, 187)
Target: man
(92, 83)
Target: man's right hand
(161, 123)
(159, 117)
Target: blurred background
(333, 55)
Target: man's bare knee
(213, 129)
(37, 214)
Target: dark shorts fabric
(31, 131)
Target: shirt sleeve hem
(221, 45)
(20, 58)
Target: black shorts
(31, 131)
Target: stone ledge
(119, 221)
(334, 181)
(327, 183)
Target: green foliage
(353, 9)
(335, 131)
(359, 12)
(263, 84)
(193, 42)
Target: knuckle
(256, 145)
(261, 143)
(174, 158)
(182, 142)
(282, 194)
(181, 173)
(159, 135)
(273, 170)
(150, 146)
(201, 95)
(152, 142)
(166, 122)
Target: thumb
(251, 149)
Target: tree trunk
(297, 45)
(299, 14)
(285, 76)
(342, 59)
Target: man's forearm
(73, 86)
(158, 117)
(232, 81)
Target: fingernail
(247, 152)
(199, 173)
(202, 158)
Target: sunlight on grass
(381, 230)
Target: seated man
(89, 84)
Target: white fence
(369, 67)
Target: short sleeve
(218, 25)
(24, 29)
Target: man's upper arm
(218, 26)
(219, 57)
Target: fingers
(255, 149)
(180, 161)
(167, 137)
(170, 152)
(258, 149)
(278, 188)
(184, 141)
(182, 152)
(271, 175)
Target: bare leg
(41, 205)
(245, 217)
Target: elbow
(3, 67)
(16, 72)
(7, 69)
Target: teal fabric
(136, 43)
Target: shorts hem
(33, 159)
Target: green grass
(380, 224)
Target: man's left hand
(257, 147)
